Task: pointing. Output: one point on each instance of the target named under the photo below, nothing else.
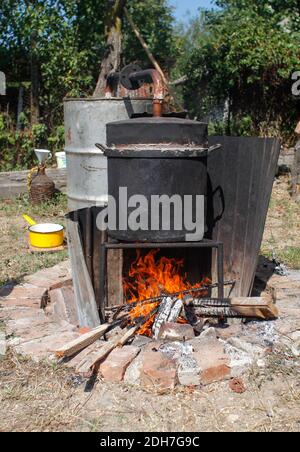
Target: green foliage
(17, 146)
(155, 20)
(245, 53)
(67, 38)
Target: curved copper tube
(158, 85)
(147, 76)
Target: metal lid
(170, 132)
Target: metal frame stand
(136, 245)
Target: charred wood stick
(128, 306)
(163, 314)
(207, 312)
(175, 311)
(256, 307)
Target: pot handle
(101, 147)
(213, 148)
(219, 191)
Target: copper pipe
(146, 76)
(158, 85)
(157, 108)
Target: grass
(290, 256)
(283, 224)
(35, 397)
(40, 397)
(17, 261)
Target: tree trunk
(34, 75)
(112, 58)
(296, 172)
(20, 107)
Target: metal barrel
(85, 125)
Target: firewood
(175, 311)
(259, 307)
(162, 315)
(79, 357)
(255, 307)
(82, 342)
(89, 362)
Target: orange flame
(150, 278)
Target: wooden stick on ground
(82, 342)
(88, 363)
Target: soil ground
(36, 397)
(40, 397)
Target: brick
(209, 333)
(232, 330)
(158, 372)
(34, 303)
(37, 331)
(51, 276)
(44, 347)
(176, 332)
(64, 305)
(212, 360)
(141, 341)
(20, 293)
(15, 313)
(133, 372)
(114, 367)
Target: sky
(182, 7)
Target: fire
(150, 277)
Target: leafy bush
(243, 54)
(17, 146)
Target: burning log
(129, 305)
(175, 311)
(257, 307)
(169, 311)
(162, 315)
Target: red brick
(45, 347)
(158, 372)
(114, 367)
(15, 313)
(34, 303)
(20, 293)
(212, 360)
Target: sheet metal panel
(241, 177)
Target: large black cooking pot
(155, 156)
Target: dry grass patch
(283, 225)
(16, 260)
(35, 397)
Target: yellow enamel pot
(46, 235)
